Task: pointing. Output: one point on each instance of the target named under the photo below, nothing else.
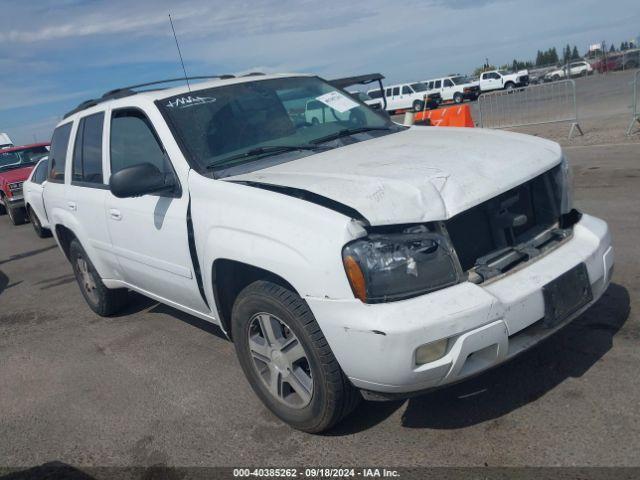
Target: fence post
(635, 116)
(575, 125)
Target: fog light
(431, 351)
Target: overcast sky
(56, 53)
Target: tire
(418, 105)
(509, 86)
(101, 300)
(37, 226)
(3, 209)
(17, 215)
(328, 396)
(458, 98)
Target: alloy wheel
(86, 279)
(280, 360)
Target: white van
(456, 87)
(403, 96)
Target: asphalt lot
(157, 387)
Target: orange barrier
(456, 116)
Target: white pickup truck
(348, 258)
(501, 79)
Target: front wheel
(287, 360)
(509, 86)
(101, 300)
(17, 215)
(418, 105)
(458, 98)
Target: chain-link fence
(635, 108)
(533, 105)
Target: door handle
(72, 206)
(115, 214)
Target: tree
(566, 53)
(539, 59)
(553, 56)
(575, 55)
(612, 48)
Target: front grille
(510, 221)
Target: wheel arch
(237, 275)
(65, 236)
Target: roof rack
(132, 90)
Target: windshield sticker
(189, 101)
(337, 101)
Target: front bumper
(487, 324)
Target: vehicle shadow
(30, 253)
(570, 352)
(48, 471)
(203, 325)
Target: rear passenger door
(87, 191)
(149, 234)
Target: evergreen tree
(539, 59)
(553, 55)
(612, 48)
(575, 55)
(566, 53)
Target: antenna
(180, 53)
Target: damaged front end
(515, 227)
(478, 245)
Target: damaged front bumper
(485, 324)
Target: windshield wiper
(266, 151)
(346, 132)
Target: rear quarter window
(58, 152)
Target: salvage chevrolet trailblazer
(347, 257)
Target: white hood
(418, 175)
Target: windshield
(461, 80)
(227, 126)
(419, 87)
(22, 158)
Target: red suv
(16, 164)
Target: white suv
(575, 69)
(457, 88)
(347, 258)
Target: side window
(375, 94)
(133, 141)
(438, 83)
(40, 174)
(448, 83)
(430, 84)
(58, 152)
(87, 152)
(388, 94)
(396, 91)
(406, 90)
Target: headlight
(394, 266)
(15, 186)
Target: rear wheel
(287, 360)
(37, 226)
(101, 300)
(418, 105)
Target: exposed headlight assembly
(15, 186)
(384, 267)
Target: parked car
(16, 164)
(5, 141)
(573, 69)
(454, 88)
(405, 96)
(501, 79)
(34, 204)
(377, 261)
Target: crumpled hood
(15, 175)
(418, 175)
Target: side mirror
(139, 180)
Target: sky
(56, 53)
